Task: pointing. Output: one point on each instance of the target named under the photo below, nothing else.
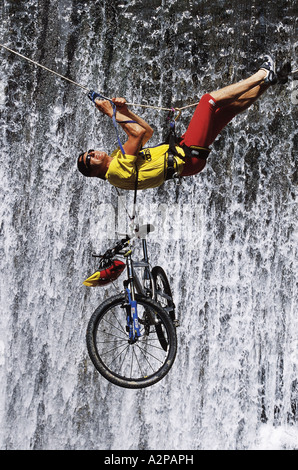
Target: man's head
(94, 163)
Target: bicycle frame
(131, 336)
(146, 287)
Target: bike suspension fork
(132, 315)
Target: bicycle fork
(132, 325)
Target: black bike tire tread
(158, 270)
(118, 380)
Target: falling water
(227, 237)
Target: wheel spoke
(126, 363)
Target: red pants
(207, 122)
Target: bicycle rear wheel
(163, 294)
(136, 365)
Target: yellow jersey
(150, 166)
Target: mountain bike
(131, 337)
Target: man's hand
(138, 130)
(120, 103)
(106, 107)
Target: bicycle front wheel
(136, 365)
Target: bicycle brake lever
(107, 254)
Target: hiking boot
(269, 66)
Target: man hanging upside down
(144, 168)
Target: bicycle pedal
(176, 323)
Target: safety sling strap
(93, 95)
(173, 142)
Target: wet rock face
(227, 237)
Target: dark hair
(82, 167)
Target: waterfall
(227, 237)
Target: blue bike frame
(132, 315)
(132, 319)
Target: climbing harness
(196, 152)
(172, 141)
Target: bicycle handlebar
(140, 232)
(111, 252)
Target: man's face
(96, 160)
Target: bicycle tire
(163, 293)
(137, 365)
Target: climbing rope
(46, 68)
(159, 108)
